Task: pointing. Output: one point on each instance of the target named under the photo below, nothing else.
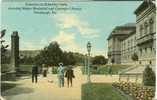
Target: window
(140, 62)
(151, 48)
(150, 62)
(145, 50)
(151, 25)
(145, 27)
(141, 52)
(141, 30)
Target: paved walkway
(47, 88)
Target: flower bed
(136, 91)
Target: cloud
(67, 21)
(67, 41)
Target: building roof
(130, 34)
(144, 5)
(118, 30)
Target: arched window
(145, 27)
(151, 22)
(141, 30)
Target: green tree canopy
(50, 55)
(99, 60)
(148, 77)
(4, 57)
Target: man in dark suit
(69, 75)
(35, 74)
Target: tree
(148, 77)
(99, 60)
(134, 57)
(4, 58)
(69, 58)
(50, 55)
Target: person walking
(69, 75)
(45, 68)
(60, 72)
(35, 74)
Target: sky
(71, 29)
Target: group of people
(69, 74)
(61, 73)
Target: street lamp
(85, 65)
(88, 49)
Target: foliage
(99, 91)
(103, 69)
(136, 91)
(27, 60)
(4, 58)
(54, 70)
(68, 58)
(99, 60)
(52, 55)
(148, 77)
(134, 57)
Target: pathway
(47, 88)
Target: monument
(15, 51)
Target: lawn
(103, 69)
(100, 91)
(6, 86)
(25, 68)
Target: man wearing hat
(60, 71)
(69, 75)
(35, 73)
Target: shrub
(148, 77)
(54, 70)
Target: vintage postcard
(78, 50)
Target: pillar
(15, 51)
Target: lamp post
(88, 49)
(85, 65)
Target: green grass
(100, 91)
(103, 69)
(6, 86)
(25, 68)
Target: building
(146, 31)
(128, 48)
(115, 39)
(139, 38)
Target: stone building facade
(128, 48)
(115, 41)
(146, 31)
(139, 38)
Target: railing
(113, 53)
(145, 38)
